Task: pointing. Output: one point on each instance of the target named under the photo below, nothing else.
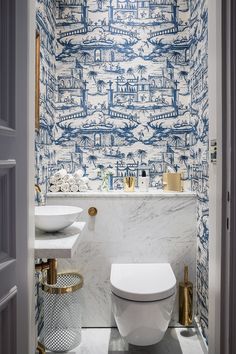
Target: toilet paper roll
(60, 174)
(52, 180)
(71, 180)
(65, 187)
(83, 188)
(74, 188)
(59, 182)
(65, 178)
(54, 188)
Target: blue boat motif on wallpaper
(124, 87)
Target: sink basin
(52, 218)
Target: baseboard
(201, 338)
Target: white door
(16, 180)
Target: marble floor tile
(109, 341)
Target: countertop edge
(61, 252)
(157, 194)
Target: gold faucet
(51, 267)
(40, 198)
(37, 188)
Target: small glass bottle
(143, 182)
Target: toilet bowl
(143, 298)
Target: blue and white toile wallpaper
(199, 176)
(124, 87)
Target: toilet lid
(143, 282)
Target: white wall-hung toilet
(143, 298)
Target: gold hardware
(172, 182)
(39, 197)
(186, 300)
(51, 267)
(92, 211)
(41, 348)
(52, 272)
(37, 188)
(52, 289)
(129, 183)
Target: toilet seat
(143, 282)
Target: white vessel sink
(52, 218)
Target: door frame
(215, 47)
(25, 106)
(228, 270)
(222, 251)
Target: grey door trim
(24, 97)
(8, 297)
(228, 269)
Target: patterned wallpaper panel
(124, 88)
(200, 178)
(121, 93)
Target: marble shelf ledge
(62, 244)
(122, 194)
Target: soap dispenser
(143, 182)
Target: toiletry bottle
(143, 182)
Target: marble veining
(62, 244)
(152, 193)
(130, 230)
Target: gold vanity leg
(41, 348)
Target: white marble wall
(129, 228)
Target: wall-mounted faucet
(40, 198)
